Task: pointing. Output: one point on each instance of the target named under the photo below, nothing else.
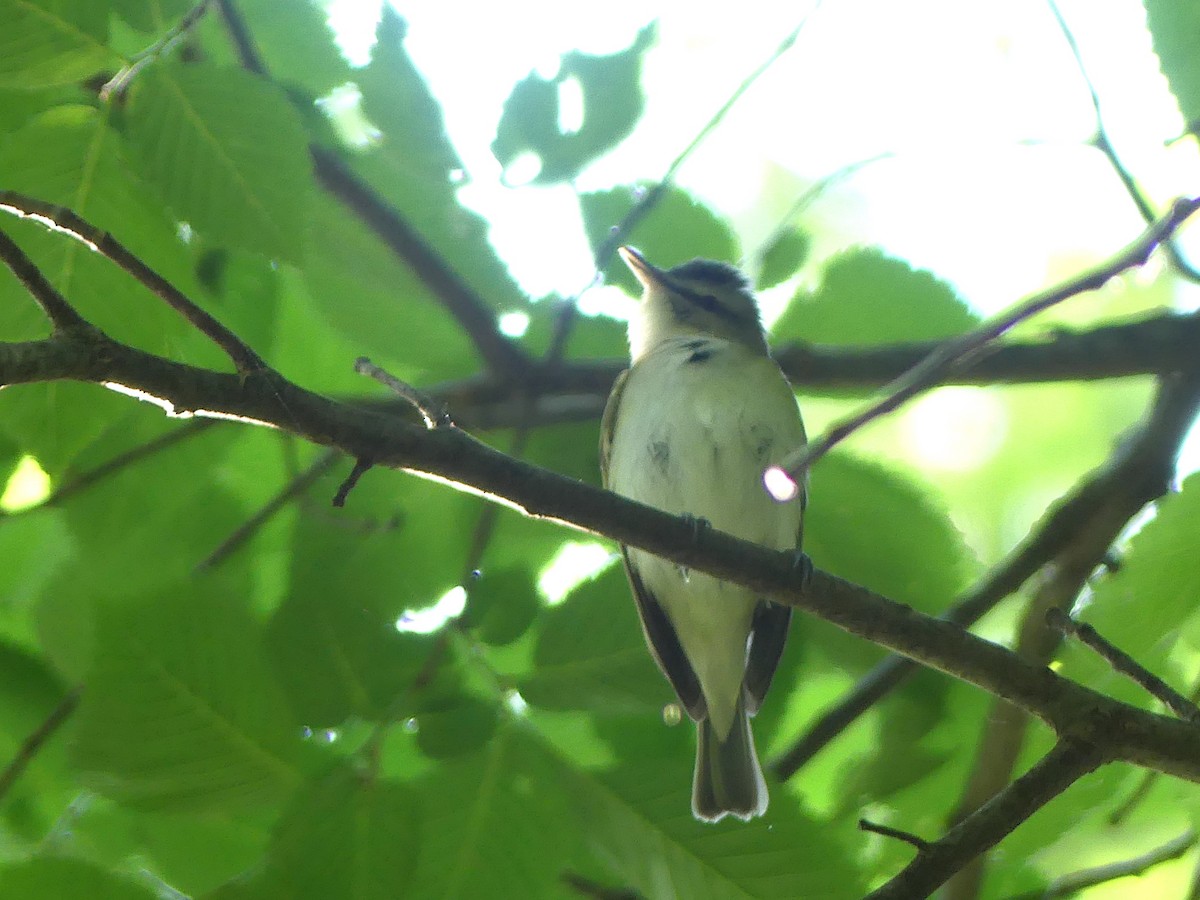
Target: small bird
(690, 428)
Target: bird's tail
(728, 778)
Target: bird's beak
(649, 275)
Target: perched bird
(690, 428)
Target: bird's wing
(768, 630)
(608, 421)
(664, 644)
(660, 634)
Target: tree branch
(62, 315)
(952, 353)
(450, 455)
(33, 744)
(1125, 664)
(1069, 885)
(62, 219)
(1049, 777)
(1138, 472)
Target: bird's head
(701, 297)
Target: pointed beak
(649, 275)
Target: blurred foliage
(262, 729)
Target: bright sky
(989, 181)
(981, 102)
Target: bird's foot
(802, 568)
(699, 525)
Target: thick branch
(576, 390)
(448, 454)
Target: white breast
(699, 422)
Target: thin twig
(294, 488)
(1138, 472)
(585, 887)
(815, 191)
(362, 465)
(954, 353)
(1074, 882)
(69, 222)
(887, 831)
(118, 463)
(1125, 664)
(1142, 789)
(33, 744)
(433, 413)
(650, 199)
(248, 56)
(1103, 143)
(120, 82)
(62, 315)
(501, 355)
(1065, 764)
(1006, 726)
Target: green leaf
(879, 529)
(180, 710)
(52, 42)
(296, 44)
(866, 297)
(228, 154)
(610, 93)
(451, 726)
(496, 823)
(415, 169)
(640, 825)
(590, 654)
(782, 258)
(337, 659)
(345, 835)
(193, 854)
(151, 15)
(1150, 602)
(674, 229)
(71, 156)
(397, 100)
(60, 878)
(390, 314)
(502, 604)
(1175, 29)
(384, 551)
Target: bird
(691, 427)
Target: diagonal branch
(450, 455)
(62, 315)
(954, 353)
(1103, 143)
(1091, 516)
(503, 357)
(1071, 884)
(1050, 776)
(62, 219)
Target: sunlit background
(962, 131)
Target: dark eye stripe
(707, 302)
